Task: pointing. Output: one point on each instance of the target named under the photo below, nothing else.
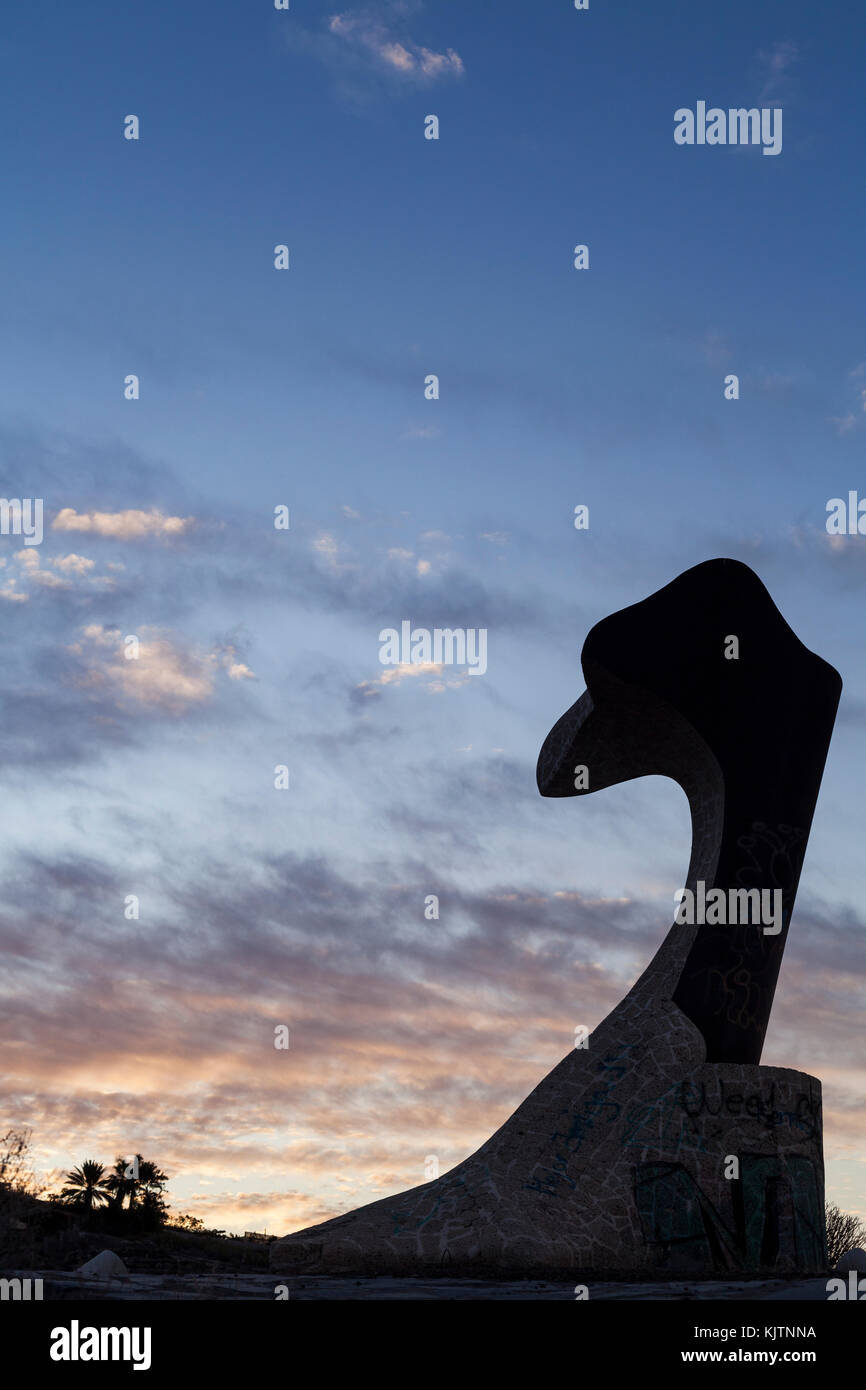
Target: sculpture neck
(720, 962)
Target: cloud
(129, 525)
(715, 348)
(851, 711)
(393, 675)
(419, 1037)
(369, 47)
(776, 63)
(420, 432)
(75, 571)
(845, 424)
(775, 384)
(73, 564)
(29, 562)
(381, 586)
(73, 700)
(851, 421)
(367, 30)
(161, 675)
(326, 546)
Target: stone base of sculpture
(727, 1174)
(719, 1174)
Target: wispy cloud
(853, 419)
(776, 63)
(369, 29)
(130, 525)
(372, 42)
(420, 432)
(26, 574)
(161, 675)
(845, 424)
(715, 348)
(419, 1040)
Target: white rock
(105, 1265)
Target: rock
(852, 1259)
(105, 1265)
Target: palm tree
(119, 1184)
(140, 1180)
(152, 1180)
(151, 1177)
(85, 1186)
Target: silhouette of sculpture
(662, 1145)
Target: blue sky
(305, 387)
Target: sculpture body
(619, 1161)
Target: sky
(258, 647)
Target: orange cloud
(130, 525)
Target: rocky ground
(179, 1265)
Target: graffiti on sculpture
(775, 1216)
